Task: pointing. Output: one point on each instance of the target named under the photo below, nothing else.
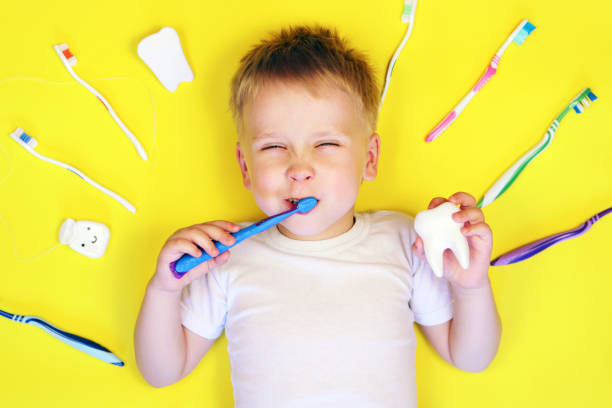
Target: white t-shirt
(321, 323)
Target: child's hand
(479, 238)
(186, 241)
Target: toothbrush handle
(528, 250)
(83, 176)
(450, 118)
(442, 126)
(491, 70)
(90, 347)
(510, 175)
(107, 105)
(188, 262)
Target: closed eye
(328, 144)
(272, 147)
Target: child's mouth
(293, 202)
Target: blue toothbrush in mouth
(187, 262)
(85, 345)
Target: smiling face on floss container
(298, 140)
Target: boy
(318, 312)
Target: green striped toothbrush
(579, 103)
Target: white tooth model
(162, 53)
(439, 231)
(88, 238)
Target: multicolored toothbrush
(579, 103)
(187, 262)
(518, 36)
(529, 250)
(87, 346)
(407, 17)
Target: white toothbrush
(69, 60)
(29, 143)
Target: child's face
(295, 145)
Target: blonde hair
(307, 55)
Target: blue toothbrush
(187, 262)
(73, 340)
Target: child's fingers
(226, 225)
(471, 215)
(436, 202)
(175, 247)
(203, 236)
(481, 230)
(200, 238)
(216, 233)
(463, 199)
(417, 248)
(203, 268)
(221, 259)
(223, 225)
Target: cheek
(266, 177)
(345, 170)
(345, 188)
(342, 182)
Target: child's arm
(165, 350)
(470, 340)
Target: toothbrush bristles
(525, 31)
(585, 101)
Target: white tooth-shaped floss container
(89, 238)
(163, 54)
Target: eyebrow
(266, 135)
(323, 133)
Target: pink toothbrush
(518, 36)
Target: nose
(300, 172)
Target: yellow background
(554, 307)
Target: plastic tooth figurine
(439, 231)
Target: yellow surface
(554, 307)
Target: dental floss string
(97, 79)
(29, 143)
(10, 164)
(69, 60)
(4, 222)
(15, 246)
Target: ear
(246, 180)
(373, 153)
